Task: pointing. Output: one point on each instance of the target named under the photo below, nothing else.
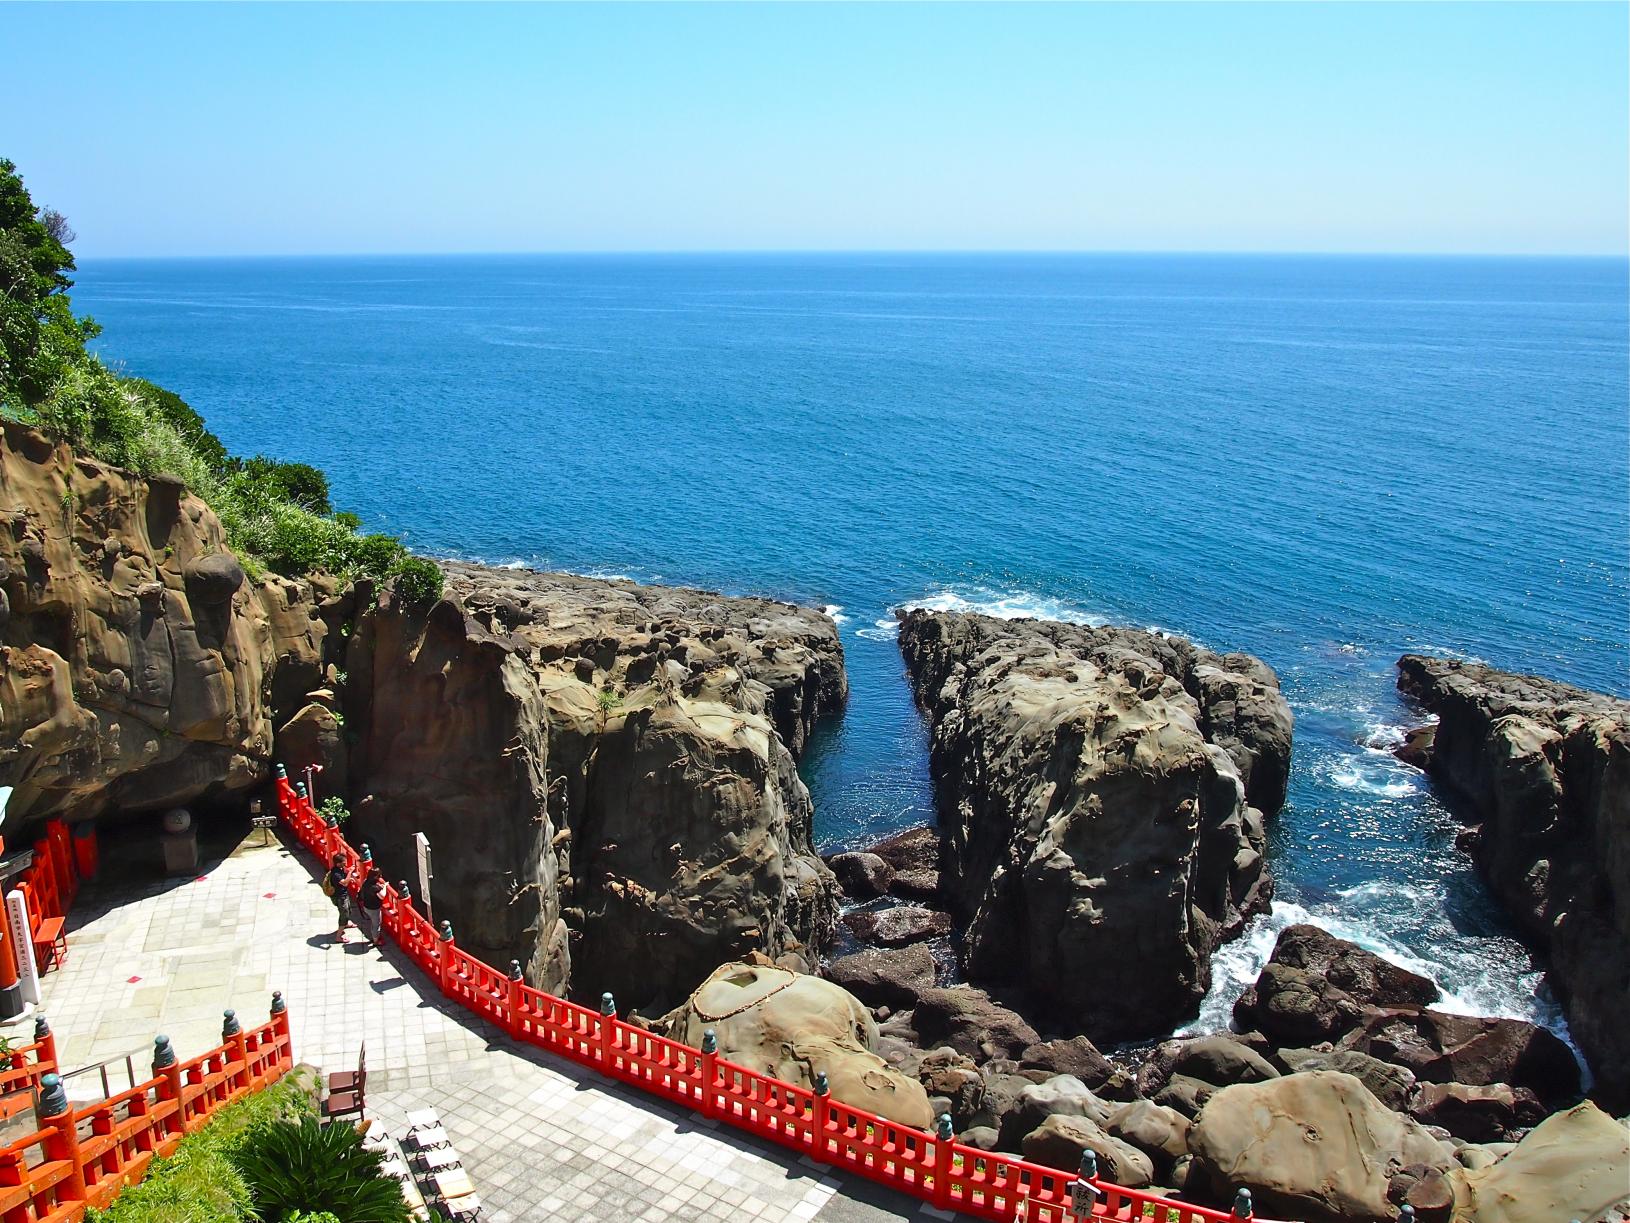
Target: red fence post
(944, 1153)
(710, 1072)
(166, 1068)
(63, 1140)
(515, 1005)
(237, 1050)
(280, 1026)
(823, 1114)
(46, 1040)
(444, 957)
(607, 1030)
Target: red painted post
(515, 1005)
(237, 1050)
(62, 1141)
(280, 1028)
(47, 1042)
(822, 1120)
(444, 958)
(944, 1154)
(710, 1072)
(165, 1067)
(607, 1032)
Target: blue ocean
(1326, 461)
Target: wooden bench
(51, 943)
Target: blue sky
(271, 129)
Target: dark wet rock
(1184, 1095)
(1221, 1061)
(915, 849)
(1477, 1114)
(863, 876)
(919, 884)
(1077, 1056)
(1442, 1048)
(1061, 1095)
(897, 926)
(885, 976)
(1059, 1141)
(972, 1022)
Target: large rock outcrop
(793, 1027)
(1543, 769)
(1102, 794)
(140, 667)
(606, 772)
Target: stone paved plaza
(542, 1138)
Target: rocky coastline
(609, 775)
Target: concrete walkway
(541, 1138)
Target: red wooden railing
(937, 1169)
(83, 1157)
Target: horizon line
(815, 252)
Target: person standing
(334, 883)
(372, 900)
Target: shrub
(303, 1166)
(418, 580)
(334, 807)
(200, 1183)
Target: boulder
(1416, 749)
(1392, 1085)
(793, 1026)
(947, 1074)
(971, 1022)
(1315, 1146)
(1316, 986)
(1476, 1114)
(1061, 1095)
(1573, 1165)
(1543, 771)
(1184, 1095)
(314, 736)
(915, 849)
(1102, 795)
(1059, 1141)
(898, 926)
(885, 977)
(916, 885)
(1077, 1056)
(1160, 1133)
(1442, 1048)
(1002, 1091)
(862, 876)
(212, 580)
(1220, 1061)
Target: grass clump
(201, 1182)
(276, 514)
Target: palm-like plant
(305, 1168)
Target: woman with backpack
(334, 883)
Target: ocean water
(1323, 461)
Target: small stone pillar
(180, 839)
(1242, 1204)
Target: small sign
(421, 851)
(264, 821)
(1083, 1199)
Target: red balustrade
(84, 1157)
(938, 1170)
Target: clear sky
(271, 129)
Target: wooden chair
(347, 1090)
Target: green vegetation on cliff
(276, 514)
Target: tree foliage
(277, 514)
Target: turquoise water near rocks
(1324, 461)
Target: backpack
(328, 883)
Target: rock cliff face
(1102, 793)
(139, 667)
(606, 772)
(1544, 770)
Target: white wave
(835, 611)
(1383, 736)
(1005, 605)
(881, 630)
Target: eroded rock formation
(140, 667)
(606, 771)
(1102, 794)
(1544, 770)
